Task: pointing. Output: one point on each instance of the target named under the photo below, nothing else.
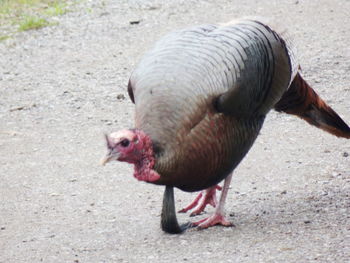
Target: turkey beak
(112, 155)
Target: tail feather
(301, 100)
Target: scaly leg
(218, 217)
(202, 201)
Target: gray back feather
(242, 67)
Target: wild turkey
(201, 96)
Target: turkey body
(202, 94)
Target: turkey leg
(208, 196)
(218, 218)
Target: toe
(213, 220)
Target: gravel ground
(63, 86)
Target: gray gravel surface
(62, 87)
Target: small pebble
(345, 154)
(120, 97)
(135, 22)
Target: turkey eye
(125, 143)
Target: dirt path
(62, 87)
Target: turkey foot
(218, 217)
(215, 219)
(200, 202)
